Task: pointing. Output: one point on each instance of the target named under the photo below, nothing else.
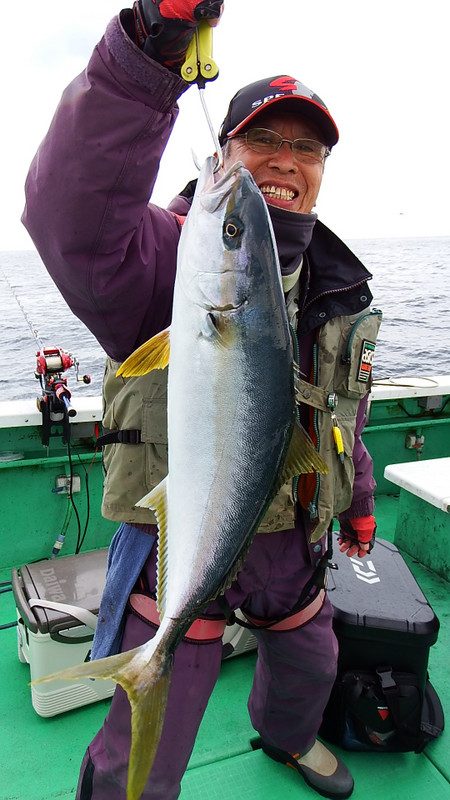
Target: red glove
(164, 28)
(357, 536)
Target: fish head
(228, 255)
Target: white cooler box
(57, 605)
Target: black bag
(382, 698)
(382, 710)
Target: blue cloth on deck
(128, 552)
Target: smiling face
(284, 181)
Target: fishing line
(88, 499)
(388, 381)
(88, 510)
(69, 453)
(32, 328)
(421, 414)
(6, 586)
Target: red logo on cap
(285, 83)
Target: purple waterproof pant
(294, 675)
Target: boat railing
(20, 413)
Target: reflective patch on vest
(366, 361)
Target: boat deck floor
(40, 757)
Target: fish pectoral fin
(151, 355)
(157, 501)
(210, 327)
(218, 329)
(302, 456)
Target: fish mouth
(227, 308)
(217, 191)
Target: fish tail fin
(144, 673)
(147, 718)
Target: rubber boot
(319, 768)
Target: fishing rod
(51, 364)
(54, 403)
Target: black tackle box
(382, 697)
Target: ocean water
(411, 284)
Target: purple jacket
(110, 252)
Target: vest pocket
(354, 373)
(154, 436)
(280, 515)
(154, 420)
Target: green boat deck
(41, 757)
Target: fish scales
(232, 433)
(244, 410)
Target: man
(113, 256)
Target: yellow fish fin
(151, 355)
(148, 709)
(157, 501)
(301, 457)
(145, 676)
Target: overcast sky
(382, 68)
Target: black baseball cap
(251, 100)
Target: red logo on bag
(383, 712)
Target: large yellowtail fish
(233, 436)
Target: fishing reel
(54, 403)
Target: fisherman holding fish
(257, 302)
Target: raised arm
(111, 254)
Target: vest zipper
(373, 312)
(332, 291)
(296, 478)
(313, 506)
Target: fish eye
(232, 232)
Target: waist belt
(201, 630)
(289, 623)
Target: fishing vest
(343, 365)
(136, 405)
(342, 358)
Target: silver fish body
(230, 396)
(231, 423)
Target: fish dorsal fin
(157, 501)
(301, 457)
(151, 355)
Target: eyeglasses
(308, 151)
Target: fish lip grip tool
(200, 67)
